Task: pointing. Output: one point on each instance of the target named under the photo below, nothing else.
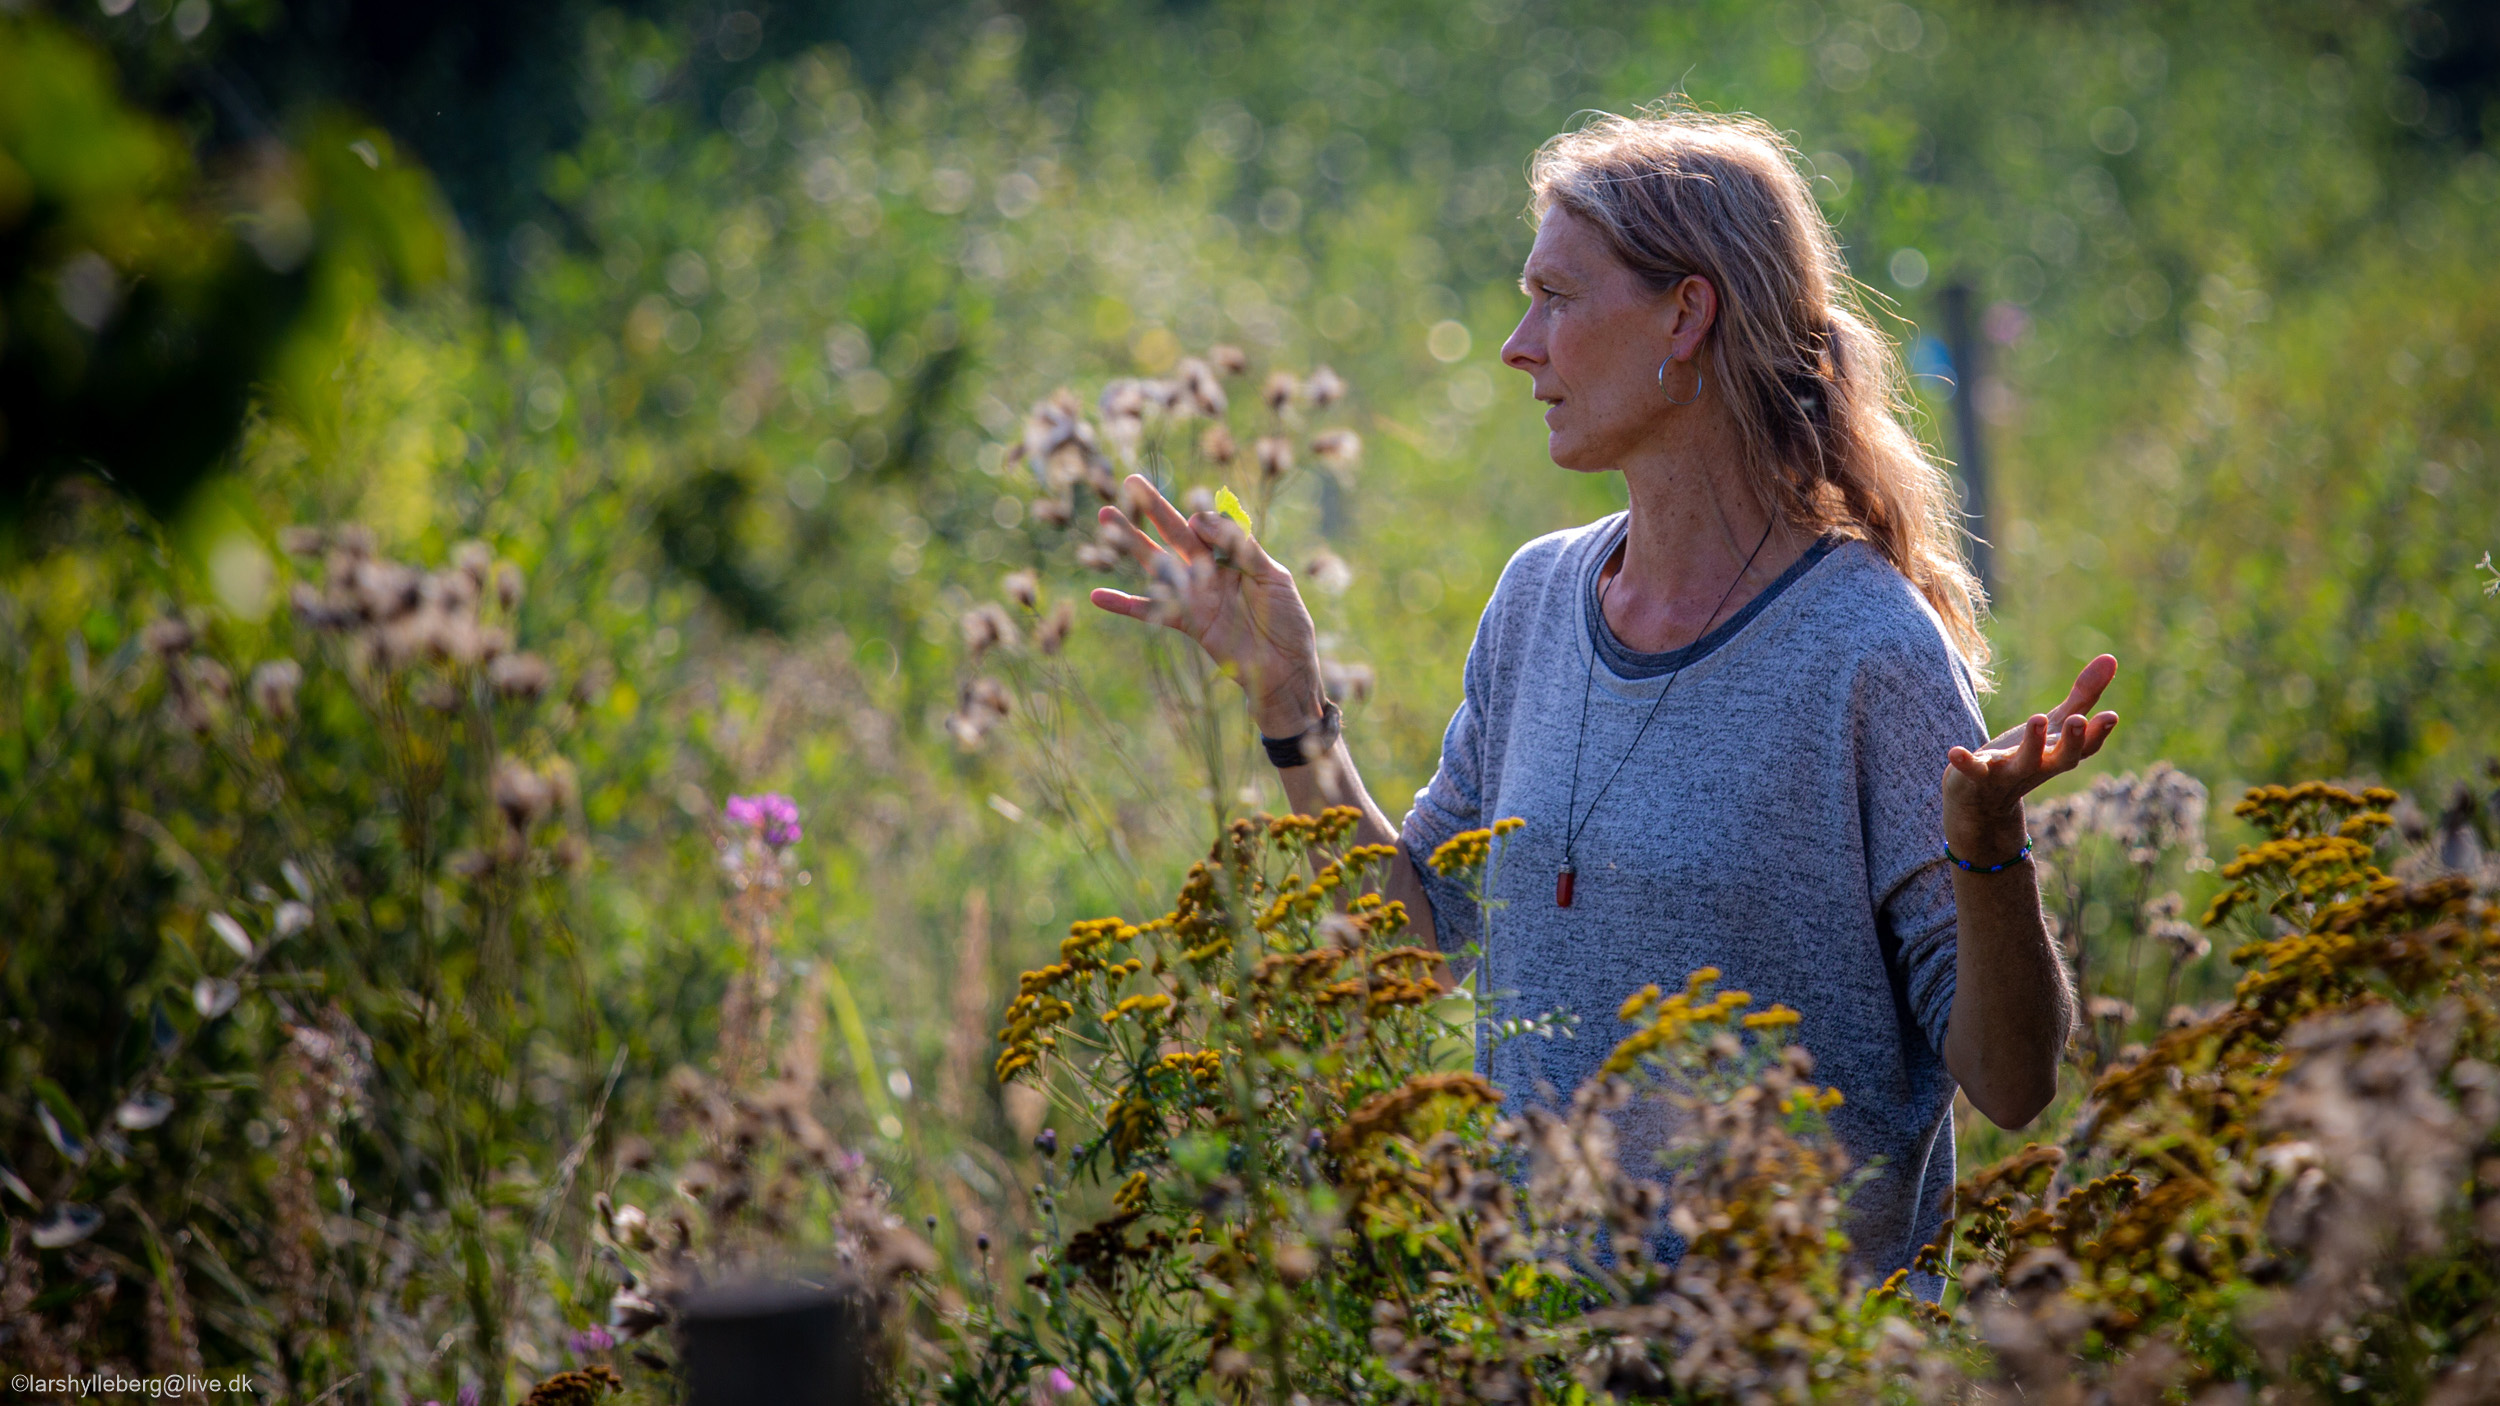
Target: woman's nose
(1525, 350)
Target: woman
(1741, 719)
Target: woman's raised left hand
(1984, 790)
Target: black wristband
(1288, 752)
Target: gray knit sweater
(1781, 821)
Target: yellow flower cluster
(1297, 970)
(2309, 807)
(1134, 1126)
(1085, 960)
(2324, 838)
(1469, 849)
(1305, 832)
(1671, 1018)
(1143, 1005)
(1204, 1068)
(1377, 916)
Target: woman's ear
(1692, 308)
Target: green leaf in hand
(1230, 506)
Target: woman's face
(1591, 342)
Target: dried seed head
(300, 541)
(1093, 556)
(521, 794)
(1125, 399)
(981, 706)
(1052, 633)
(2185, 941)
(168, 636)
(1230, 360)
(384, 590)
(1198, 500)
(1346, 683)
(473, 559)
(453, 592)
(273, 688)
(1022, 587)
(2109, 1010)
(1200, 390)
(1280, 392)
(1324, 389)
(1275, 454)
(522, 678)
(313, 610)
(1216, 446)
(1329, 572)
(987, 626)
(1050, 512)
(508, 585)
(1338, 449)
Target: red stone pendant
(1563, 882)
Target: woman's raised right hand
(1209, 579)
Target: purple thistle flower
(590, 1340)
(773, 816)
(1060, 1382)
(470, 1395)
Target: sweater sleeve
(1451, 802)
(1914, 704)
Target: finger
(1125, 535)
(1965, 762)
(1120, 602)
(2088, 686)
(1166, 518)
(2102, 727)
(1234, 541)
(2035, 741)
(2068, 751)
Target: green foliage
(142, 304)
(322, 873)
(2294, 1189)
(1299, 1204)
(744, 418)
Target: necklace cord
(1571, 831)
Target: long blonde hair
(1815, 388)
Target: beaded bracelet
(1969, 868)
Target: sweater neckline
(1636, 666)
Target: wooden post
(776, 1344)
(1963, 341)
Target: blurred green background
(717, 321)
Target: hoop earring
(1662, 383)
